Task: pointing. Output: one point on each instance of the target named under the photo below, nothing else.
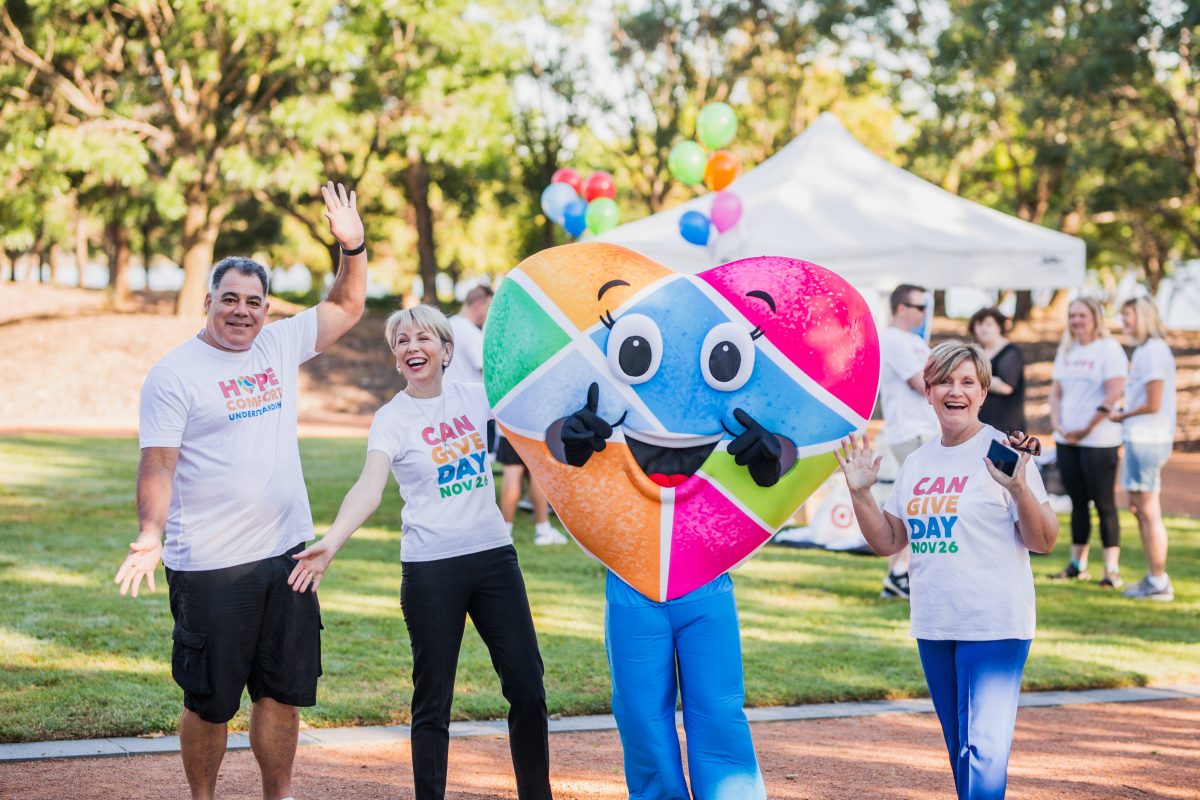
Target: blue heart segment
(683, 402)
(561, 391)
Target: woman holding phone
(971, 525)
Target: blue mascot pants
(975, 687)
(691, 647)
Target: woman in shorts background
(1148, 433)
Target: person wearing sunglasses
(908, 420)
(971, 527)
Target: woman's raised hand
(858, 461)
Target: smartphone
(1003, 458)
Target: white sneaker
(545, 534)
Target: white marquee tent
(828, 199)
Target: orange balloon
(723, 166)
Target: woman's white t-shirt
(1152, 361)
(1082, 372)
(438, 449)
(969, 576)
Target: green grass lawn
(77, 660)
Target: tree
(195, 82)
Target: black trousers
(436, 597)
(1089, 475)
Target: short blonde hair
(946, 357)
(1097, 312)
(422, 316)
(1148, 324)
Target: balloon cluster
(578, 205)
(689, 164)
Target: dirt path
(1119, 750)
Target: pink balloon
(726, 211)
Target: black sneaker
(895, 586)
(1071, 573)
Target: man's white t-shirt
(969, 576)
(1152, 361)
(466, 366)
(438, 449)
(906, 412)
(238, 493)
(1081, 372)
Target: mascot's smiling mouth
(669, 459)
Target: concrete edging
(388, 734)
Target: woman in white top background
(1148, 430)
(971, 528)
(456, 552)
(1088, 379)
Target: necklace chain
(441, 411)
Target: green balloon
(686, 162)
(716, 125)
(602, 214)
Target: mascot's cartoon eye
(727, 357)
(634, 348)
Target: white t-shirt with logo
(1082, 372)
(238, 493)
(969, 575)
(438, 449)
(906, 412)
(466, 366)
(1152, 361)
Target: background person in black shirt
(1004, 406)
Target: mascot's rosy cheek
(787, 343)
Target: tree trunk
(335, 259)
(81, 247)
(116, 237)
(147, 250)
(416, 179)
(12, 256)
(1024, 307)
(55, 259)
(200, 228)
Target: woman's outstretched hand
(858, 461)
(311, 564)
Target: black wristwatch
(356, 250)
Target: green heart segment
(508, 360)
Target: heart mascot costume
(676, 422)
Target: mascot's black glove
(757, 449)
(585, 431)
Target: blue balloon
(575, 217)
(693, 227)
(555, 198)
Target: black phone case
(1004, 458)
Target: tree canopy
(194, 128)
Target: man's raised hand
(341, 210)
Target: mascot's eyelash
(757, 332)
(607, 319)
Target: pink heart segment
(819, 324)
